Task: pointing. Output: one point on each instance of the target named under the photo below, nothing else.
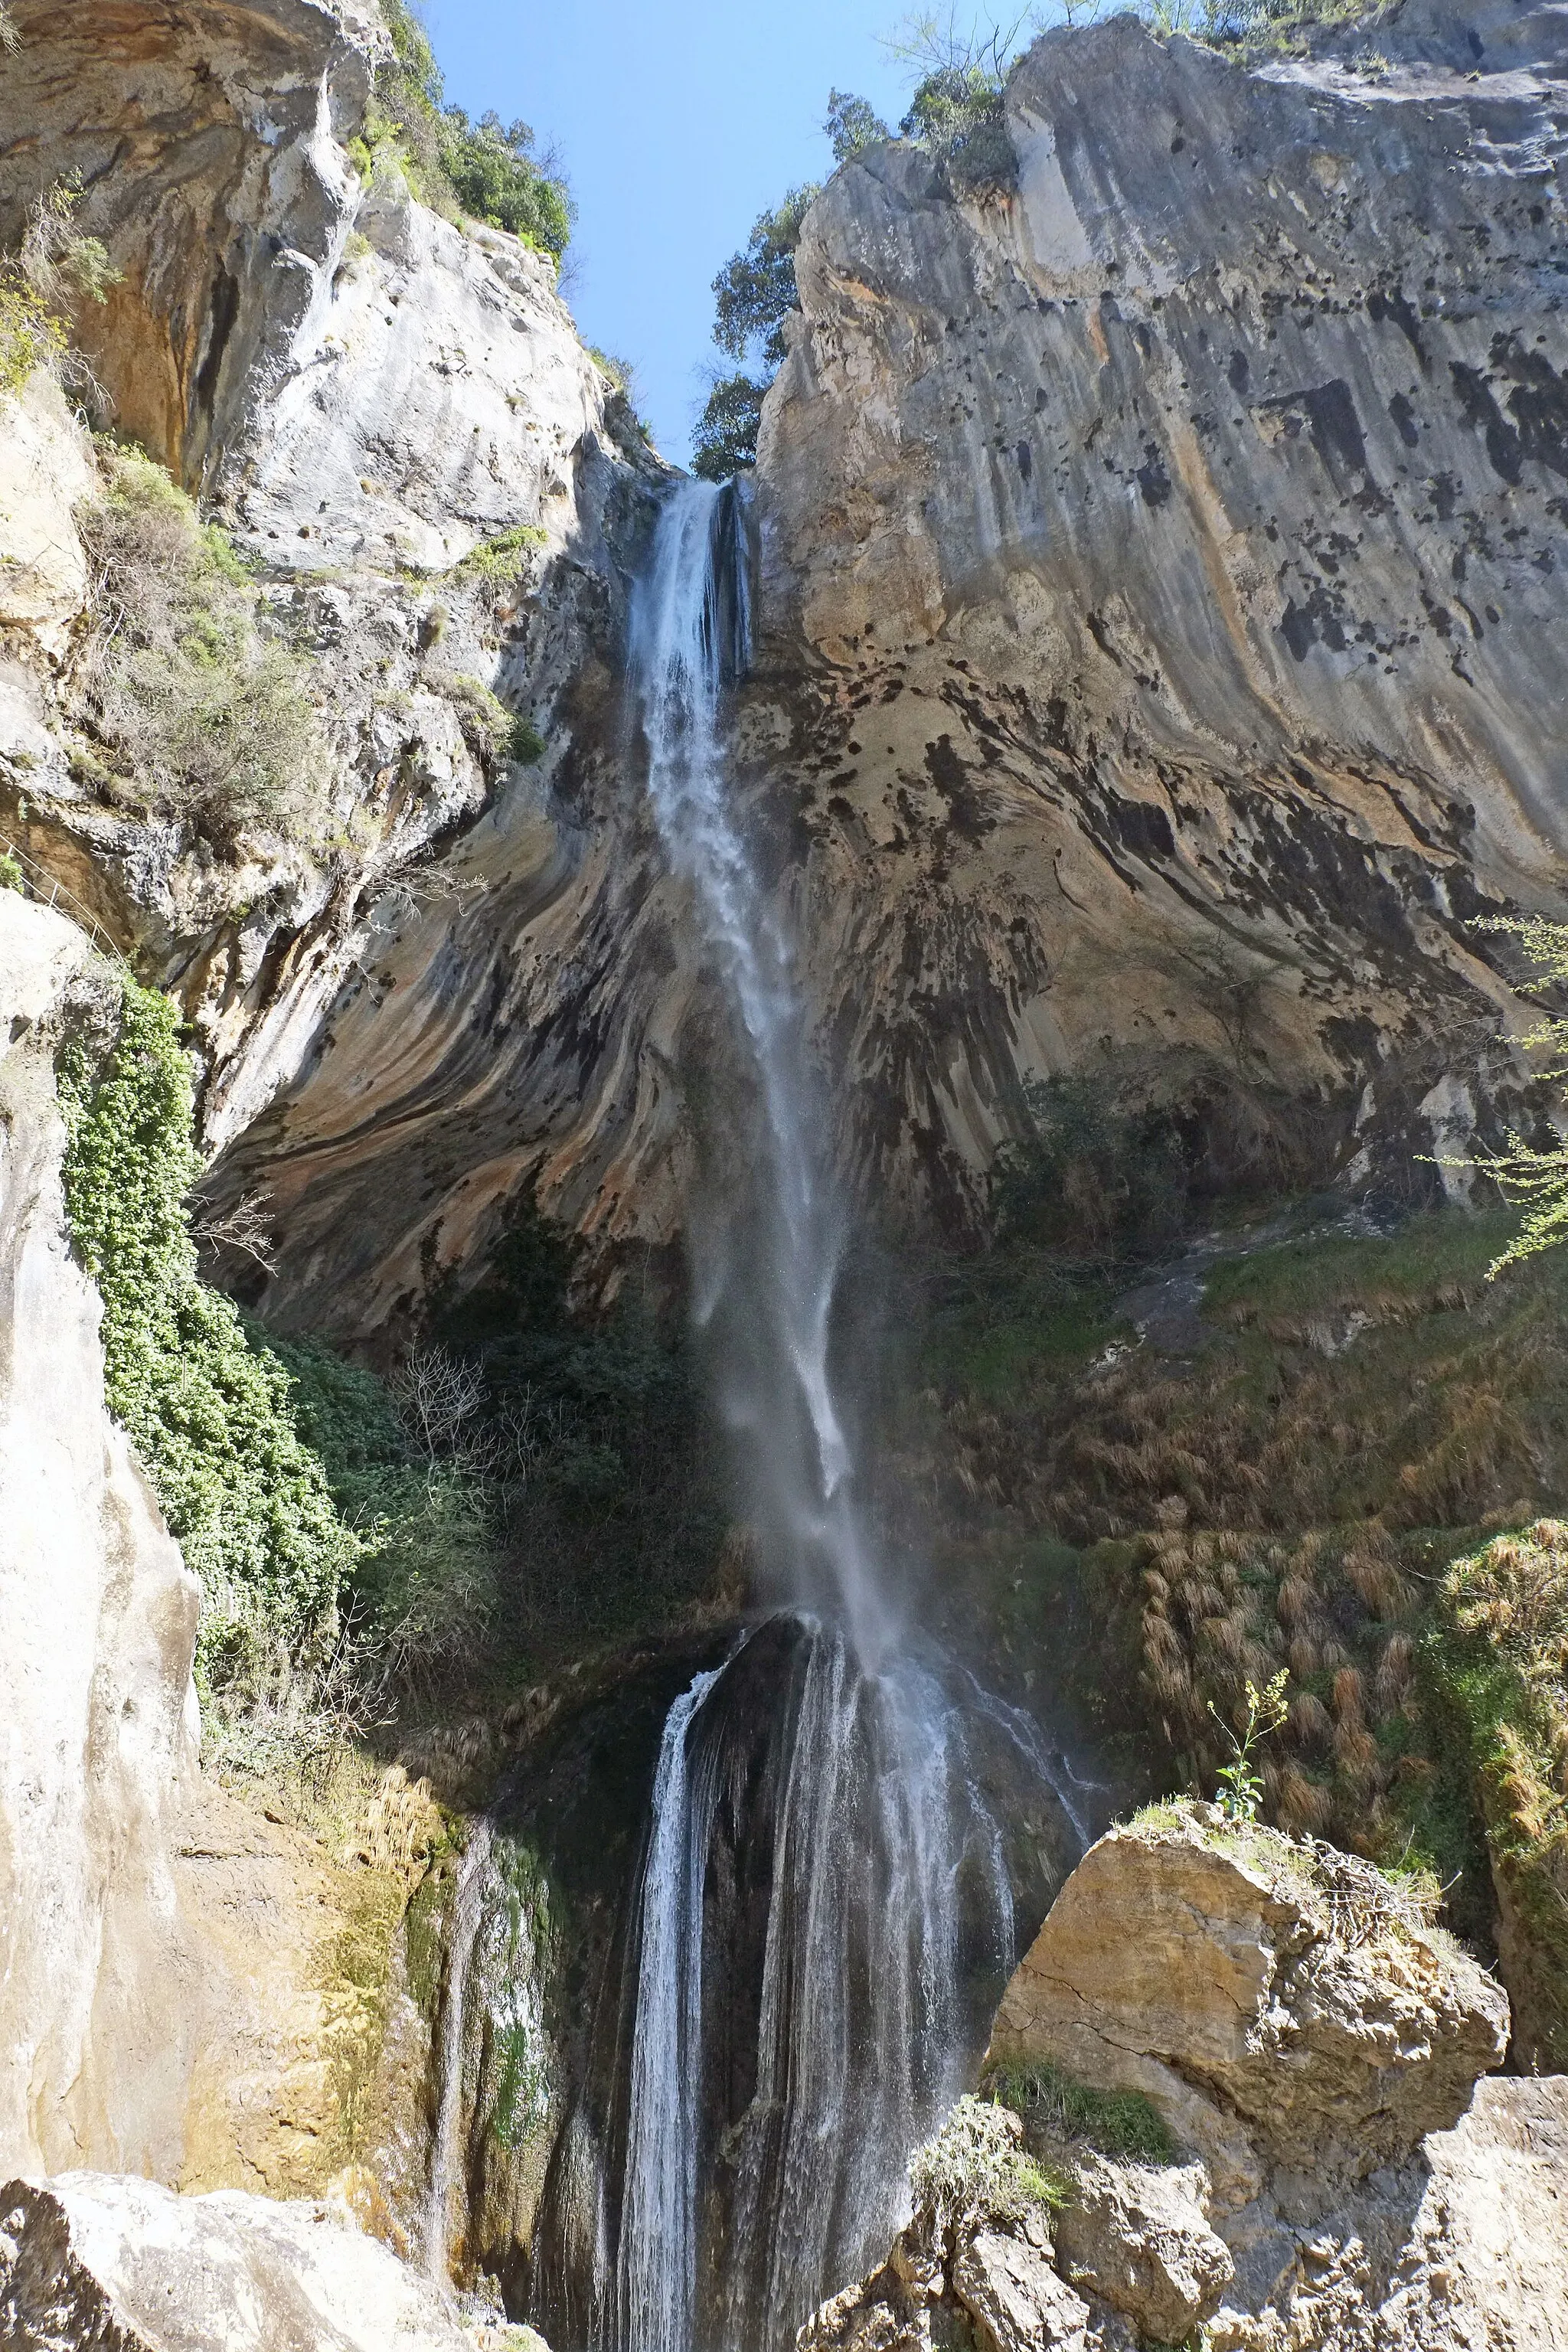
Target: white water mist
(887, 1874)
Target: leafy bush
(208, 1413)
(211, 712)
(1050, 2100)
(975, 2171)
(1500, 1657)
(57, 263)
(503, 558)
(726, 434)
(852, 125)
(485, 169)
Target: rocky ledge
(1324, 2160)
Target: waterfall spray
(866, 1808)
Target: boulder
(1289, 2018)
(1136, 2236)
(1017, 2302)
(122, 2265)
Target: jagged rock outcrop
(89, 2259)
(1287, 2022)
(1161, 572)
(97, 1619)
(1338, 2176)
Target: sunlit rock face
(1162, 581)
(1159, 586)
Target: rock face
(97, 1618)
(1288, 2023)
(1340, 2177)
(364, 394)
(1158, 578)
(1316, 2052)
(1161, 572)
(124, 2266)
(188, 1988)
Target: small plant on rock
(1240, 1788)
(975, 2171)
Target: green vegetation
(1499, 1659)
(209, 710)
(502, 560)
(1055, 2106)
(487, 170)
(1259, 1713)
(753, 294)
(975, 2171)
(11, 875)
(207, 1412)
(528, 1478)
(1534, 1176)
(58, 264)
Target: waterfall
(825, 1917)
(468, 1911)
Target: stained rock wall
(1162, 568)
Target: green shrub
(30, 335)
(1116, 2123)
(211, 712)
(525, 744)
(504, 557)
(208, 1414)
(1500, 1655)
(11, 875)
(975, 2171)
(485, 169)
(726, 434)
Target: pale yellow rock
(1136, 2236)
(1017, 2302)
(1184, 1953)
(46, 466)
(97, 1617)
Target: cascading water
(825, 1915)
(467, 1908)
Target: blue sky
(677, 122)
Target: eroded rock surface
(1161, 574)
(126, 2266)
(1285, 2022)
(98, 1619)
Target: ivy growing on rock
(207, 1412)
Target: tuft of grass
(975, 2171)
(1053, 2102)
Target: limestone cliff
(98, 1614)
(1158, 576)
(1161, 577)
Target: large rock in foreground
(1280, 2004)
(125, 2266)
(1334, 2174)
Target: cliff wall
(1159, 572)
(1162, 576)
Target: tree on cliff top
(486, 170)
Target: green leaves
(208, 1414)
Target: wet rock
(90, 2259)
(1136, 2236)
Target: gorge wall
(1159, 568)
